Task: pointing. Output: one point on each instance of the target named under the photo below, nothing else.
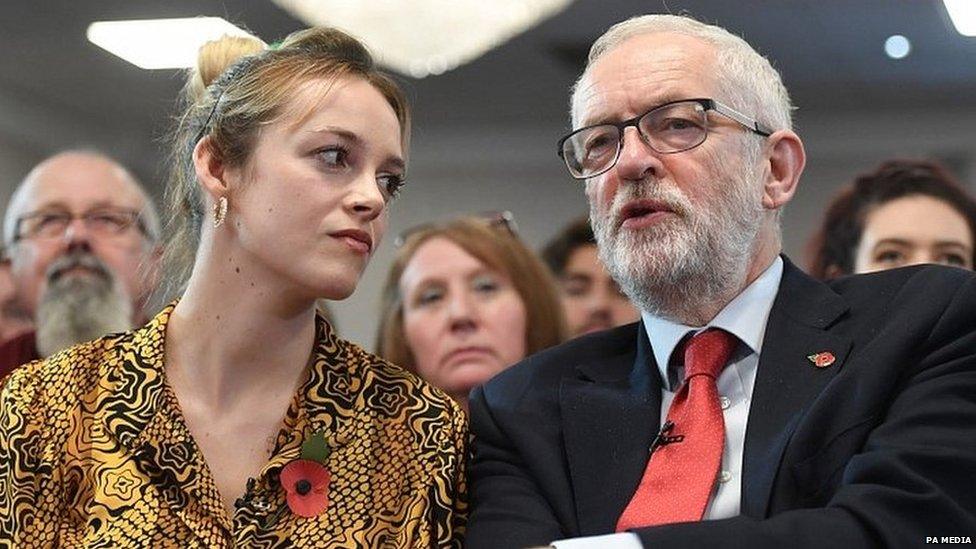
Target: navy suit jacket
(876, 450)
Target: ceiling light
(423, 37)
(160, 43)
(963, 15)
(897, 46)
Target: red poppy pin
(822, 360)
(306, 480)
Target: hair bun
(217, 56)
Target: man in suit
(751, 406)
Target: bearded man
(751, 406)
(81, 238)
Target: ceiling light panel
(963, 15)
(160, 43)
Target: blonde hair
(239, 86)
(499, 250)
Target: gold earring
(220, 211)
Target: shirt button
(725, 402)
(724, 477)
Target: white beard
(692, 260)
(77, 308)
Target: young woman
(236, 417)
(905, 212)
(465, 300)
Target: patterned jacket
(94, 452)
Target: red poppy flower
(306, 485)
(822, 360)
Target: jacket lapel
(788, 381)
(610, 412)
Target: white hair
(747, 80)
(149, 215)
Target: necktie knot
(708, 352)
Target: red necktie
(681, 473)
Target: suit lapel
(787, 381)
(610, 412)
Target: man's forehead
(643, 71)
(81, 182)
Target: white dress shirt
(745, 317)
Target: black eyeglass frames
(673, 127)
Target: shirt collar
(745, 317)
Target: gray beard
(686, 265)
(78, 308)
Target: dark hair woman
(903, 213)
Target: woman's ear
(209, 167)
(786, 159)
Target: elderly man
(591, 298)
(81, 237)
(752, 406)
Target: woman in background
(904, 213)
(465, 300)
(236, 417)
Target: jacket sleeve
(508, 509)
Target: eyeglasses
(54, 224)
(669, 128)
(504, 220)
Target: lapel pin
(822, 360)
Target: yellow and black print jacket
(94, 452)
